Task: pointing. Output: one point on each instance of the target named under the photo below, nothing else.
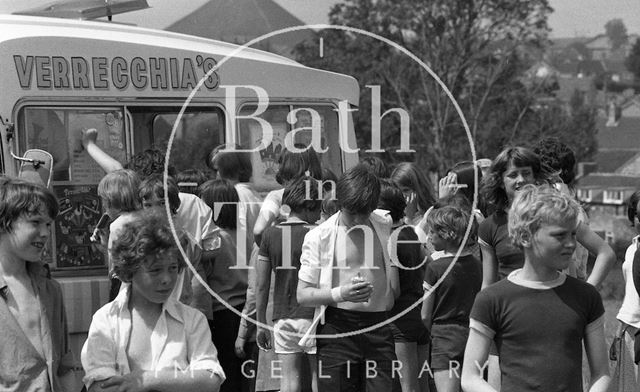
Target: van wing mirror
(35, 166)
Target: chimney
(614, 113)
(586, 168)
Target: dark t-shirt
(454, 297)
(285, 303)
(410, 279)
(538, 331)
(493, 232)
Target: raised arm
(104, 160)
(605, 256)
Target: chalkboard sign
(80, 210)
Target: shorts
(287, 333)
(448, 342)
(409, 331)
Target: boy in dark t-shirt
(280, 250)
(538, 316)
(446, 309)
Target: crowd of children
(367, 282)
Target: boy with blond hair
(539, 317)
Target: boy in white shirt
(145, 339)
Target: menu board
(80, 211)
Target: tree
(633, 60)
(573, 124)
(617, 32)
(479, 49)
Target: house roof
(567, 86)
(608, 181)
(613, 160)
(626, 136)
(239, 21)
(600, 41)
(566, 41)
(615, 66)
(591, 67)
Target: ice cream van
(132, 84)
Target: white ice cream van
(60, 76)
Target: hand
(411, 209)
(356, 292)
(239, 348)
(100, 241)
(131, 382)
(89, 136)
(263, 339)
(448, 185)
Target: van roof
(33, 26)
(109, 35)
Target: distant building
(605, 185)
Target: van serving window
(198, 131)
(265, 161)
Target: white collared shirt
(180, 341)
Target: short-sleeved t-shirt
(285, 304)
(408, 255)
(538, 328)
(455, 295)
(493, 232)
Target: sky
(571, 17)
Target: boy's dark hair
(358, 190)
(392, 199)
(450, 222)
(329, 205)
(19, 197)
(153, 185)
(376, 165)
(221, 191)
(296, 164)
(329, 181)
(632, 204)
(558, 157)
(149, 162)
(302, 194)
(189, 180)
(231, 163)
(119, 190)
(148, 233)
(458, 200)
